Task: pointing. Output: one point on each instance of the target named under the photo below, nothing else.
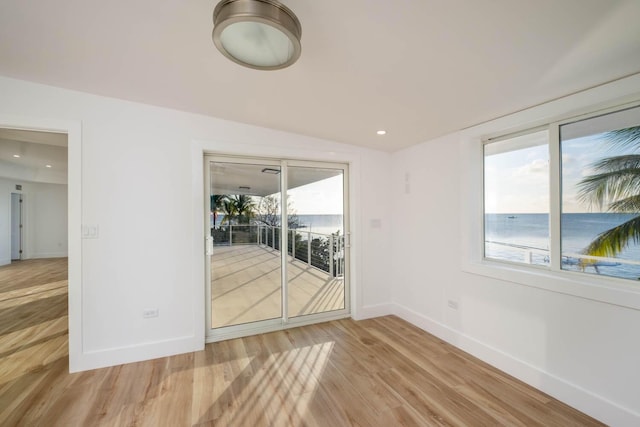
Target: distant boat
(512, 217)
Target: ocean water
(322, 224)
(513, 236)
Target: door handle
(208, 245)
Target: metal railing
(325, 252)
(530, 254)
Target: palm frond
(629, 204)
(613, 241)
(624, 138)
(616, 163)
(607, 187)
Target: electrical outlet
(150, 312)
(453, 304)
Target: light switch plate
(90, 231)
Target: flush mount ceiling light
(259, 34)
(271, 171)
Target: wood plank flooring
(377, 372)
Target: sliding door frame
(284, 322)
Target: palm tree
(239, 207)
(229, 209)
(245, 207)
(616, 186)
(216, 205)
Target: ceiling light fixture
(47, 166)
(259, 34)
(244, 187)
(382, 132)
(271, 171)
(17, 156)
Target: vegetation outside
(615, 185)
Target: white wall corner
(371, 311)
(584, 400)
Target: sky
(323, 197)
(518, 181)
(318, 198)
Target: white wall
(582, 351)
(45, 223)
(137, 187)
(5, 221)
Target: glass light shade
(256, 43)
(259, 34)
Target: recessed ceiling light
(47, 166)
(17, 156)
(382, 132)
(244, 187)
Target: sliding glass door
(245, 276)
(315, 268)
(276, 252)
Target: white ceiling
(417, 68)
(261, 180)
(36, 150)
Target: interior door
(16, 226)
(276, 253)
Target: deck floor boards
(245, 286)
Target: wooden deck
(377, 372)
(246, 286)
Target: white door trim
(201, 147)
(73, 129)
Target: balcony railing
(533, 255)
(325, 252)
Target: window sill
(607, 290)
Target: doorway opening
(33, 251)
(277, 234)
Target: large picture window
(597, 208)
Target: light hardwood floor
(378, 372)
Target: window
(600, 223)
(516, 199)
(597, 207)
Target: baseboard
(48, 255)
(370, 311)
(136, 353)
(575, 396)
